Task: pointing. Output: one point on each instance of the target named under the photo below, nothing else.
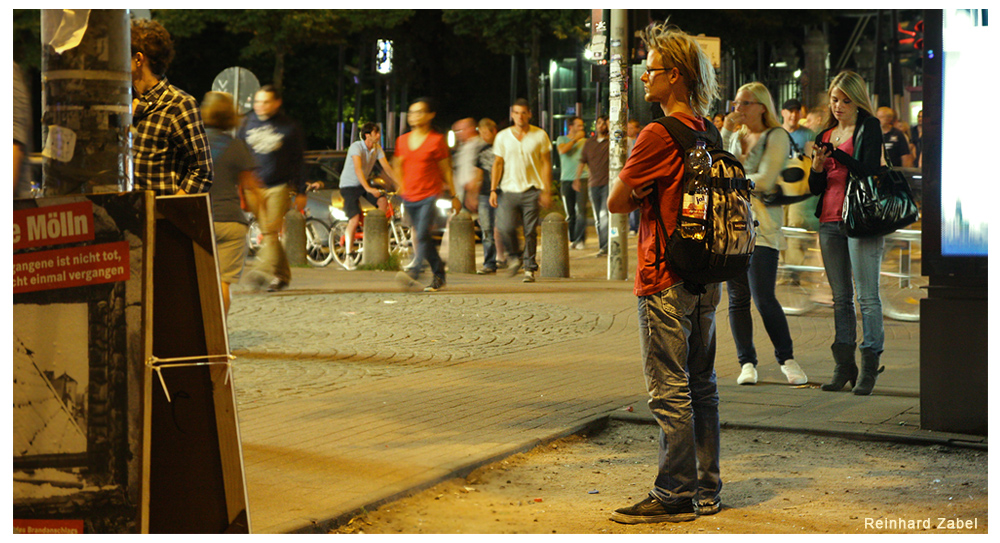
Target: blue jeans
(677, 340)
(758, 283)
(487, 218)
(421, 215)
(844, 257)
(576, 211)
(599, 202)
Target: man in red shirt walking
(422, 166)
(676, 327)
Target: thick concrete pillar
(86, 101)
(555, 246)
(461, 244)
(375, 250)
(294, 238)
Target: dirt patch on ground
(774, 482)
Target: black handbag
(878, 204)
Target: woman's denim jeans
(677, 339)
(862, 258)
(421, 215)
(758, 283)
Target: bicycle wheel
(338, 247)
(802, 285)
(254, 238)
(400, 242)
(318, 243)
(901, 284)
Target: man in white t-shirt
(361, 158)
(522, 170)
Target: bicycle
(317, 239)
(801, 288)
(400, 242)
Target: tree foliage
(513, 31)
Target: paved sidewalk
(351, 393)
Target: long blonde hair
(854, 86)
(684, 53)
(762, 95)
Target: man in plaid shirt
(169, 145)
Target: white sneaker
(794, 373)
(748, 376)
(529, 277)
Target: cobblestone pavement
(300, 345)
(351, 393)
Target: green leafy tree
(281, 33)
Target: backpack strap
(686, 136)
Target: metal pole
(618, 80)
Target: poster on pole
(81, 275)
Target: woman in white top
(762, 145)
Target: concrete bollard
(555, 246)
(294, 238)
(375, 250)
(461, 244)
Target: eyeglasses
(744, 103)
(650, 70)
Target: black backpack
(730, 229)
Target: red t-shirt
(656, 156)
(421, 174)
(836, 184)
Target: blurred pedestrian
(22, 136)
(487, 215)
(464, 164)
(362, 156)
(719, 120)
(422, 167)
(522, 169)
(574, 203)
(169, 146)
(815, 117)
(799, 214)
(595, 156)
(835, 158)
(278, 145)
(233, 165)
(762, 145)
(676, 326)
(897, 147)
(917, 140)
(791, 114)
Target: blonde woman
(762, 145)
(836, 154)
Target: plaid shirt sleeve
(193, 151)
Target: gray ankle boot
(869, 372)
(845, 369)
